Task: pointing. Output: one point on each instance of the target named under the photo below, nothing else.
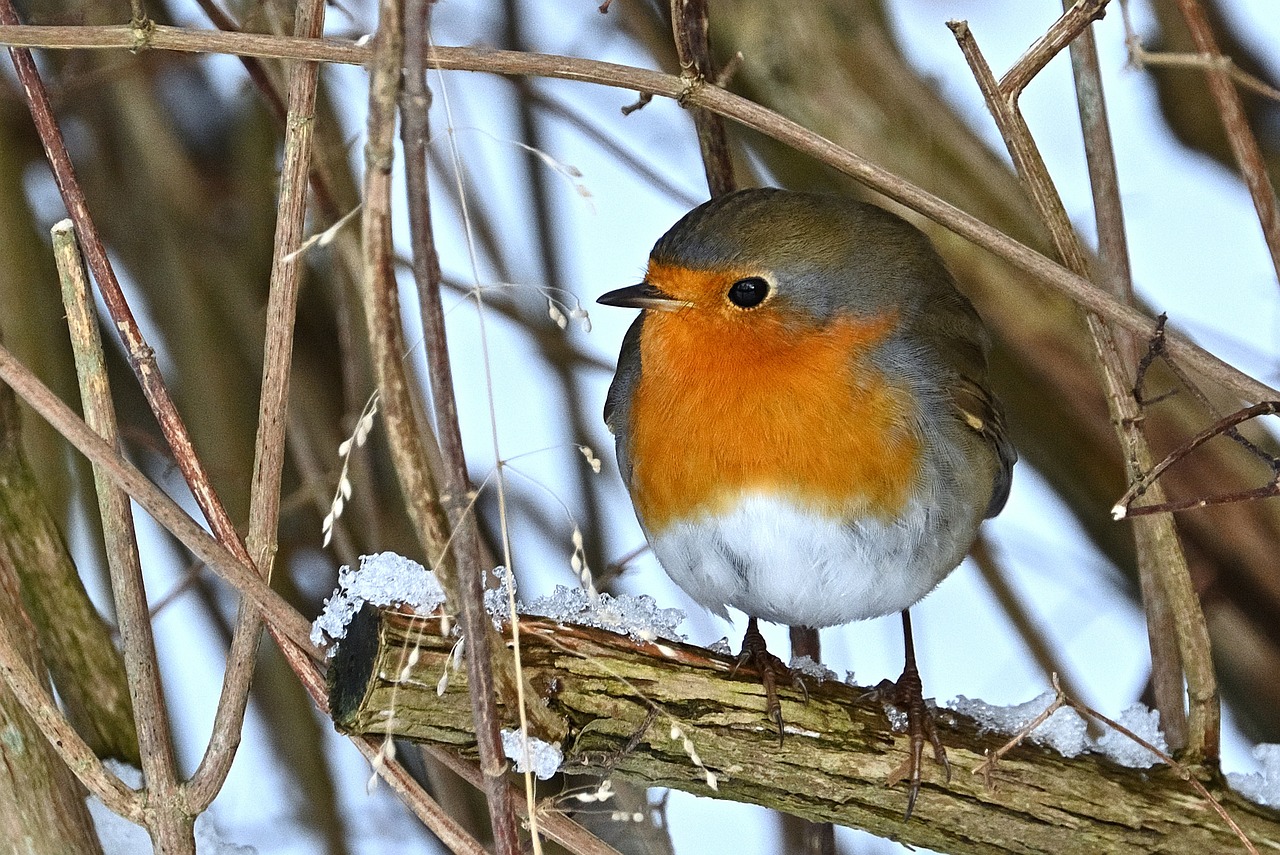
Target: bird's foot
(771, 669)
(907, 694)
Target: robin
(804, 423)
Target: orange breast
(725, 407)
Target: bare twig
(1156, 349)
(477, 629)
(167, 513)
(1244, 146)
(142, 360)
(693, 48)
(1164, 553)
(171, 824)
(1062, 699)
(618, 153)
(1140, 57)
(987, 767)
(1074, 21)
(407, 431)
(1183, 771)
(1156, 540)
(1124, 507)
(579, 418)
(1039, 268)
(264, 502)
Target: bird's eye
(748, 293)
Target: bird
(804, 422)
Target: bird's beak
(642, 296)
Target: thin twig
(1123, 508)
(577, 405)
(476, 627)
(690, 27)
(618, 153)
(1244, 145)
(269, 448)
(748, 113)
(170, 822)
(1156, 540)
(1181, 769)
(1140, 57)
(407, 431)
(1074, 21)
(1061, 699)
(987, 767)
(1156, 349)
(165, 511)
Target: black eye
(748, 293)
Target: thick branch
(832, 766)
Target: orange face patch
(732, 400)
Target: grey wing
(963, 344)
(617, 404)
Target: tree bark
(42, 807)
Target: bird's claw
(771, 669)
(907, 694)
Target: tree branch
(748, 113)
(1169, 578)
(831, 768)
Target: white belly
(783, 563)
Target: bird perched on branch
(804, 422)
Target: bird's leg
(770, 668)
(908, 694)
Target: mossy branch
(832, 766)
